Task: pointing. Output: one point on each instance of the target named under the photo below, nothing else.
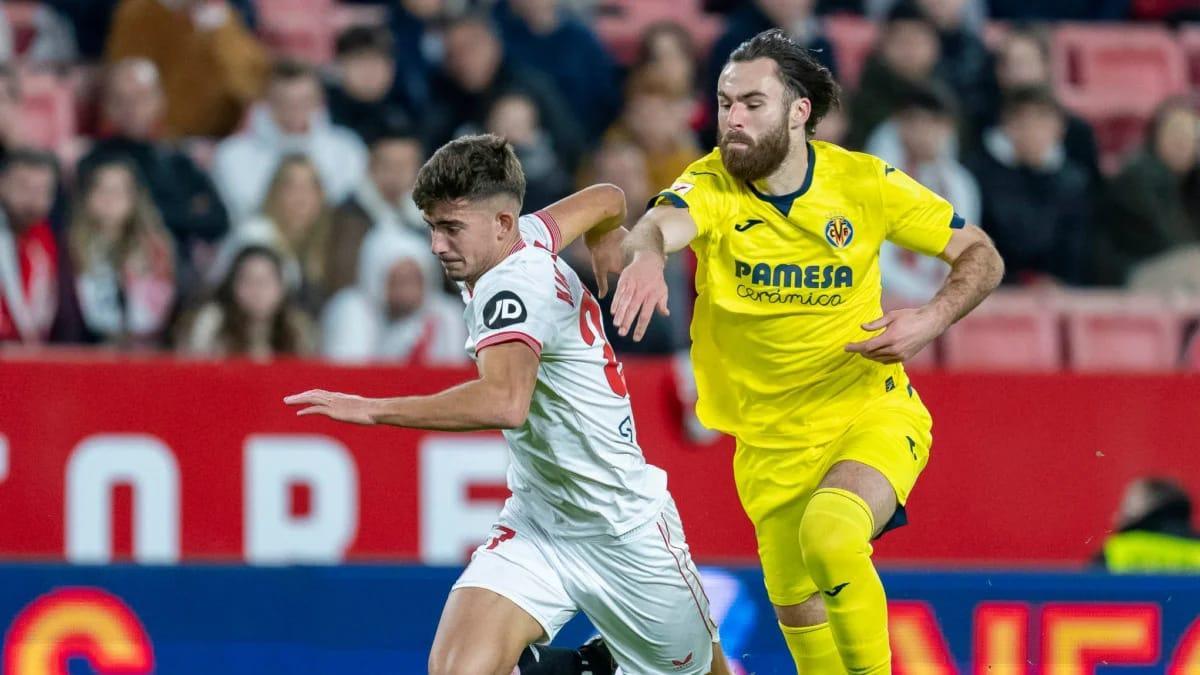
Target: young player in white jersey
(590, 525)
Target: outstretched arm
(975, 270)
(498, 399)
(642, 287)
(592, 213)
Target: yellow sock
(835, 537)
(813, 649)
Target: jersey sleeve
(516, 307)
(917, 218)
(540, 229)
(702, 192)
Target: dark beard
(761, 158)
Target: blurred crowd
(225, 199)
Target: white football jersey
(575, 465)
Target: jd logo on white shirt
(503, 309)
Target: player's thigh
(774, 487)
(880, 457)
(645, 596)
(509, 596)
(481, 633)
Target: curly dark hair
(802, 75)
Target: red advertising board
(162, 460)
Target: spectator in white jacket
(293, 120)
(397, 311)
(920, 140)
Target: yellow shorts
(893, 435)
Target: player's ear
(506, 221)
(799, 112)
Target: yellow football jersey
(785, 282)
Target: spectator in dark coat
(1153, 207)
(363, 98)
(475, 75)
(543, 36)
(182, 192)
(966, 63)
(905, 57)
(1035, 199)
(1023, 60)
(416, 47)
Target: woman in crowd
(122, 257)
(253, 313)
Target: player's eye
(754, 106)
(724, 105)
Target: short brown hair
(471, 167)
(802, 75)
(1032, 96)
(290, 70)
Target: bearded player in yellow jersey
(792, 353)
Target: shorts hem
(508, 595)
(901, 499)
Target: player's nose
(736, 119)
(437, 243)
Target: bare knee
(476, 659)
(811, 612)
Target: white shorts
(642, 591)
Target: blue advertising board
(381, 619)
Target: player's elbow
(512, 412)
(613, 200)
(512, 416)
(995, 265)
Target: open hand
(341, 407)
(905, 332)
(641, 289)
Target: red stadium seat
(621, 23)
(299, 29)
(1191, 359)
(1115, 77)
(20, 17)
(1122, 332)
(853, 38)
(1010, 331)
(347, 16)
(1189, 40)
(47, 110)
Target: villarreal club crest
(839, 232)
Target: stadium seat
(1122, 332)
(346, 16)
(621, 23)
(853, 38)
(47, 110)
(1011, 331)
(1189, 40)
(1115, 77)
(21, 17)
(299, 29)
(1191, 359)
